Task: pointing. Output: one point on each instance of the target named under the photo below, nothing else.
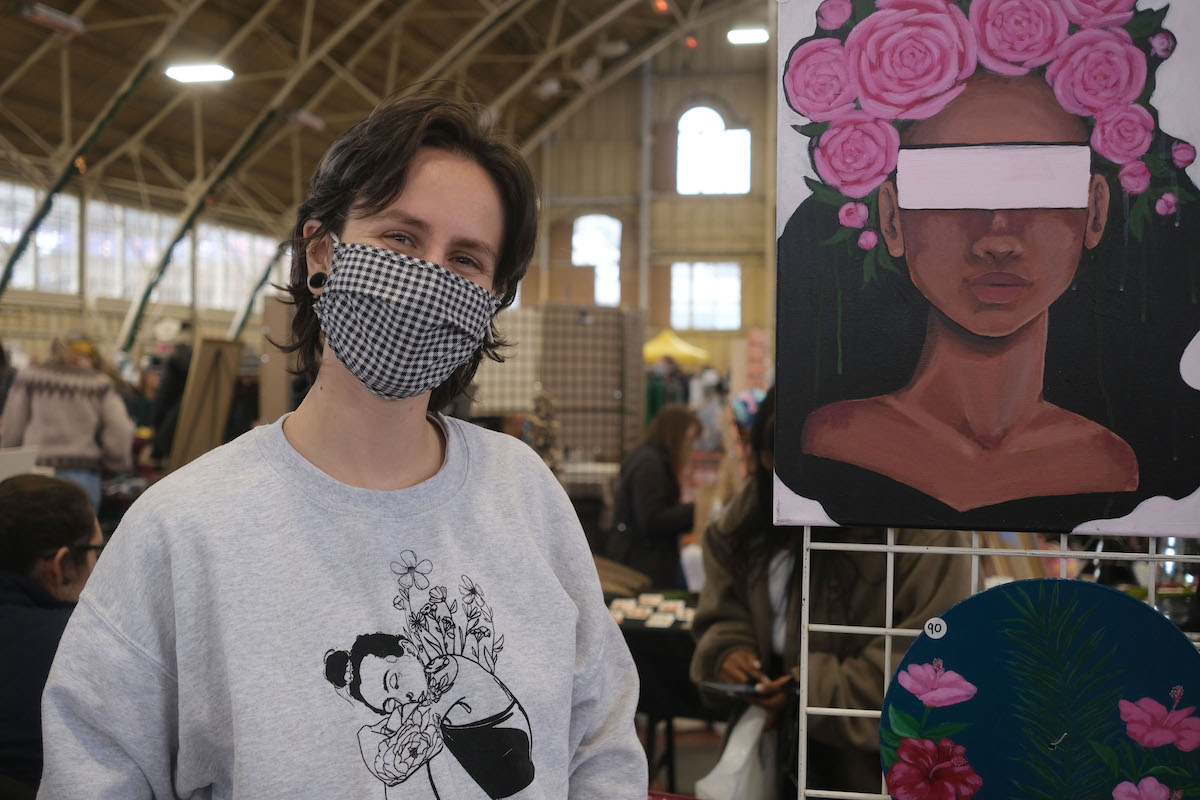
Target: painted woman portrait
(990, 296)
(434, 690)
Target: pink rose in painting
(868, 239)
(1182, 154)
(935, 686)
(928, 771)
(1097, 70)
(1014, 36)
(853, 215)
(817, 80)
(1147, 721)
(1134, 177)
(1097, 13)
(1123, 134)
(1148, 789)
(1162, 44)
(911, 57)
(1166, 206)
(832, 14)
(857, 153)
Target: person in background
(73, 414)
(49, 543)
(7, 373)
(747, 623)
(164, 411)
(648, 513)
(738, 465)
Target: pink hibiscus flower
(1150, 724)
(1147, 789)
(928, 771)
(935, 686)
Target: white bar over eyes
(994, 177)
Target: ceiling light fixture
(199, 73)
(691, 43)
(748, 36)
(307, 120)
(661, 6)
(52, 18)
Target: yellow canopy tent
(668, 343)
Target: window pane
(711, 159)
(105, 229)
(706, 296)
(596, 242)
(16, 207)
(57, 241)
(176, 283)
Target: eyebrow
(459, 241)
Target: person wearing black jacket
(648, 514)
(49, 543)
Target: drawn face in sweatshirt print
(432, 683)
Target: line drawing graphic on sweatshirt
(433, 686)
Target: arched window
(711, 159)
(596, 242)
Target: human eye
(400, 238)
(467, 261)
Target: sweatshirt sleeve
(108, 724)
(926, 585)
(607, 757)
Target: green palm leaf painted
(1063, 682)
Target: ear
(318, 254)
(1097, 211)
(57, 574)
(889, 219)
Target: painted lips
(998, 288)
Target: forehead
(439, 181)
(994, 109)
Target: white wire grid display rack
(901, 637)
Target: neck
(983, 387)
(363, 440)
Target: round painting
(1045, 689)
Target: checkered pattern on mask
(400, 325)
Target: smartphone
(743, 689)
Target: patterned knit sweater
(73, 415)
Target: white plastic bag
(747, 769)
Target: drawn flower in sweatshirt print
(412, 572)
(432, 687)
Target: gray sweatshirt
(257, 629)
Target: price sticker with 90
(935, 628)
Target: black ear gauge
(318, 280)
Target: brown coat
(845, 671)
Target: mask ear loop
(318, 279)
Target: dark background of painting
(1115, 343)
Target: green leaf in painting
(889, 737)
(1139, 215)
(843, 235)
(863, 9)
(903, 724)
(824, 194)
(888, 754)
(1148, 92)
(1147, 23)
(885, 260)
(946, 730)
(869, 266)
(1164, 771)
(1106, 755)
(812, 130)
(1157, 168)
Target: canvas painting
(989, 265)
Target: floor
(697, 748)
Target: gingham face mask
(400, 325)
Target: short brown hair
(38, 515)
(365, 170)
(669, 432)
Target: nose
(998, 244)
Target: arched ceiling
(168, 144)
